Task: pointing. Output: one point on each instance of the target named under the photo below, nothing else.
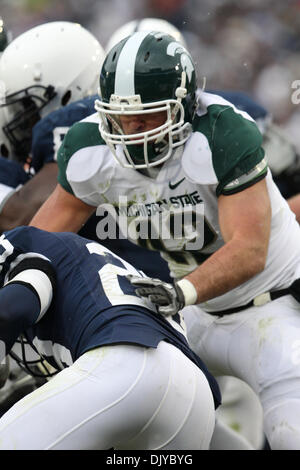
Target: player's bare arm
(245, 221)
(62, 212)
(245, 225)
(24, 203)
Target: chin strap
(180, 93)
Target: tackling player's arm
(23, 204)
(62, 212)
(244, 213)
(245, 220)
(32, 280)
(15, 316)
(244, 208)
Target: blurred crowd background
(248, 45)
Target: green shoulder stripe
(247, 179)
(81, 135)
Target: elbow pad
(39, 275)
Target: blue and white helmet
(42, 70)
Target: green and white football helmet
(147, 72)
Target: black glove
(168, 298)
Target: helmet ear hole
(66, 98)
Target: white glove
(169, 298)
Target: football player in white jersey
(240, 411)
(32, 51)
(162, 159)
(240, 408)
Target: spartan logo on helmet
(185, 58)
(147, 72)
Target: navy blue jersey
(49, 132)
(93, 303)
(148, 261)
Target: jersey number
(109, 279)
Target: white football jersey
(176, 211)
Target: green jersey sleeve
(238, 157)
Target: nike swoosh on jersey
(174, 186)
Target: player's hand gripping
(169, 298)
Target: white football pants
(242, 413)
(260, 345)
(122, 397)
